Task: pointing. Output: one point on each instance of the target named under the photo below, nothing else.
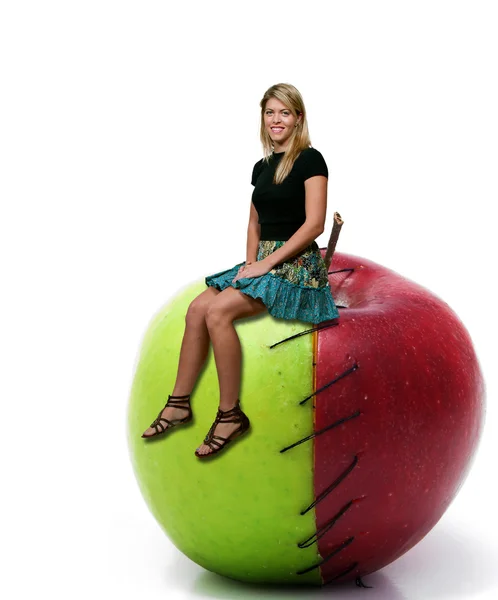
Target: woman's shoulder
(258, 165)
(310, 152)
(256, 170)
(310, 162)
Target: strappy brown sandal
(170, 424)
(222, 417)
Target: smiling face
(279, 123)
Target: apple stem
(336, 230)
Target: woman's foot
(171, 415)
(235, 420)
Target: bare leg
(227, 350)
(193, 353)
(195, 346)
(228, 358)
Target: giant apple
(363, 429)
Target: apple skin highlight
(362, 433)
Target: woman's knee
(215, 314)
(198, 307)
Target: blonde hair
(300, 138)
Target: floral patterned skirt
(297, 288)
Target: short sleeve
(312, 163)
(256, 172)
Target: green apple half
(236, 514)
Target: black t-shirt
(281, 208)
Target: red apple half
(399, 409)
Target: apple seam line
(321, 532)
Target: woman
(284, 272)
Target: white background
(128, 135)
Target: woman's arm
(316, 210)
(253, 235)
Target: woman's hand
(241, 268)
(260, 267)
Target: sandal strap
(159, 418)
(232, 412)
(222, 438)
(217, 447)
(178, 403)
(237, 417)
(225, 440)
(157, 422)
(221, 417)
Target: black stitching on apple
(343, 475)
(323, 530)
(333, 485)
(305, 332)
(360, 583)
(340, 271)
(335, 424)
(324, 387)
(345, 572)
(333, 553)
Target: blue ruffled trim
(284, 299)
